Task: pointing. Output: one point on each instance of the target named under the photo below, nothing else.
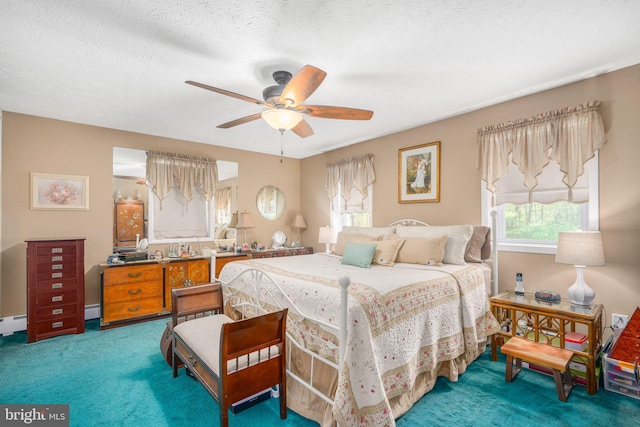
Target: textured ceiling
(122, 63)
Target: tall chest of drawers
(55, 287)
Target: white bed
(405, 325)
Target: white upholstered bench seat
(202, 335)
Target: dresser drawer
(56, 298)
(69, 264)
(57, 285)
(132, 292)
(129, 309)
(56, 326)
(56, 248)
(68, 259)
(132, 274)
(57, 311)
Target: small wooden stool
(541, 354)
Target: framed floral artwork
(419, 173)
(59, 192)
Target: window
(530, 221)
(353, 212)
(173, 220)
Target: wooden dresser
(55, 287)
(141, 290)
(224, 258)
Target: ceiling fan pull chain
(281, 144)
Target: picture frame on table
(419, 173)
(59, 192)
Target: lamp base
(580, 293)
(326, 249)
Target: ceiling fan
(284, 99)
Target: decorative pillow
(220, 232)
(420, 250)
(386, 250)
(479, 239)
(343, 238)
(359, 254)
(456, 245)
(370, 231)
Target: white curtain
(347, 174)
(223, 196)
(557, 143)
(187, 171)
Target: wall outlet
(619, 321)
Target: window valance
(569, 137)
(356, 172)
(187, 171)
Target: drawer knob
(137, 291)
(134, 275)
(133, 309)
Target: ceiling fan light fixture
(282, 119)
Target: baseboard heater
(250, 401)
(12, 324)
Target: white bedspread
(402, 321)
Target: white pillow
(370, 231)
(458, 238)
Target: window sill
(533, 248)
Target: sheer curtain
(166, 171)
(347, 174)
(557, 143)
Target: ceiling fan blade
(229, 93)
(329, 112)
(240, 121)
(302, 129)
(302, 85)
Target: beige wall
(34, 144)
(617, 284)
(43, 145)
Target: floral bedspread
(402, 321)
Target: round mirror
(270, 202)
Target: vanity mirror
(143, 215)
(270, 202)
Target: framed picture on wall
(419, 173)
(59, 192)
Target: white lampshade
(327, 235)
(281, 119)
(581, 249)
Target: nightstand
(523, 315)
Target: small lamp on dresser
(244, 221)
(581, 249)
(298, 223)
(327, 235)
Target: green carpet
(118, 377)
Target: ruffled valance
(356, 172)
(188, 172)
(568, 137)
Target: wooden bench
(554, 358)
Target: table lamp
(298, 223)
(244, 221)
(581, 249)
(328, 236)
